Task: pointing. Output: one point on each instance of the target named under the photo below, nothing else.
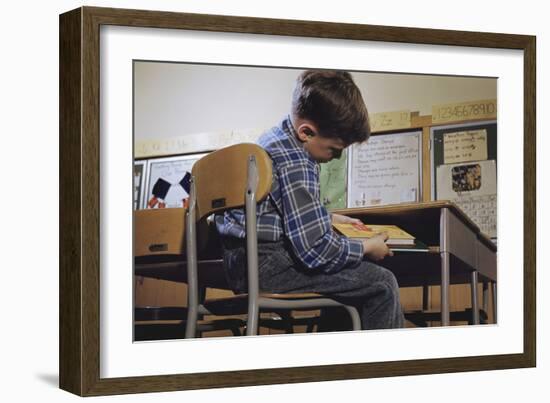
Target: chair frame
(256, 300)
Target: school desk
(458, 252)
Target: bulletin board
(464, 169)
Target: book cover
(396, 236)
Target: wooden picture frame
(80, 200)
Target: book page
(369, 230)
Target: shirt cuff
(355, 250)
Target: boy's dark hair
(332, 101)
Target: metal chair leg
(475, 305)
(425, 297)
(355, 319)
(253, 317)
(494, 286)
(192, 276)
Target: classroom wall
(174, 100)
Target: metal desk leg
(475, 307)
(485, 303)
(494, 286)
(425, 297)
(445, 276)
(445, 265)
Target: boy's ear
(305, 132)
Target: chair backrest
(235, 176)
(221, 178)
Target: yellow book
(396, 236)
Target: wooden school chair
(234, 177)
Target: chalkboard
(464, 170)
(385, 170)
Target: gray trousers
(367, 286)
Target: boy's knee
(388, 283)
(387, 278)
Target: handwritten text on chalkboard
(385, 170)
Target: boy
(298, 250)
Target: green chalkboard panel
(333, 182)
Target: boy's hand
(342, 219)
(375, 248)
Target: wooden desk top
(431, 207)
(421, 219)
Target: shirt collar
(289, 130)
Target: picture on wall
(183, 110)
(140, 172)
(168, 181)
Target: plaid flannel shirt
(293, 209)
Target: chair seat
(238, 304)
(292, 295)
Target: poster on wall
(140, 168)
(465, 146)
(168, 181)
(473, 187)
(385, 170)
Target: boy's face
(321, 149)
(324, 149)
